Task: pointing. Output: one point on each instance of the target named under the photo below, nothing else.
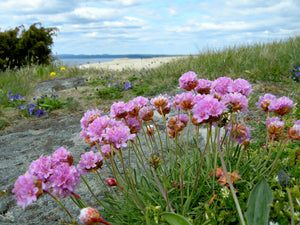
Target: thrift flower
(133, 106)
(96, 129)
(27, 189)
(274, 126)
(89, 117)
(105, 150)
(204, 86)
(90, 161)
(91, 216)
(264, 102)
(240, 86)
(63, 180)
(160, 101)
(41, 168)
(294, 131)
(118, 135)
(221, 85)
(281, 106)
(118, 110)
(146, 113)
(238, 102)
(185, 101)
(133, 124)
(240, 132)
(62, 155)
(188, 81)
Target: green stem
(291, 205)
(230, 183)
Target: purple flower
(89, 117)
(274, 126)
(127, 86)
(240, 132)
(208, 108)
(221, 85)
(238, 101)
(27, 189)
(39, 112)
(63, 180)
(21, 107)
(184, 101)
(146, 113)
(281, 106)
(204, 86)
(133, 124)
(118, 110)
(89, 161)
(105, 150)
(241, 86)
(264, 102)
(61, 155)
(96, 129)
(41, 168)
(118, 135)
(188, 81)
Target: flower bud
(294, 132)
(111, 182)
(91, 216)
(146, 113)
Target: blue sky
(154, 26)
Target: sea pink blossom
(241, 86)
(97, 128)
(133, 106)
(207, 109)
(41, 168)
(118, 135)
(274, 126)
(221, 85)
(238, 101)
(62, 155)
(89, 161)
(188, 81)
(63, 180)
(185, 101)
(105, 150)
(133, 124)
(264, 102)
(89, 117)
(160, 101)
(281, 106)
(118, 110)
(240, 132)
(204, 86)
(146, 113)
(294, 131)
(27, 189)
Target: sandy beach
(126, 63)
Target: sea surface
(82, 61)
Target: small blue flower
(10, 93)
(21, 107)
(109, 85)
(127, 86)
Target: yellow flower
(52, 74)
(63, 68)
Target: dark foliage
(19, 47)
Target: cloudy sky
(154, 26)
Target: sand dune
(125, 63)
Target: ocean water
(81, 61)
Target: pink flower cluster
(280, 106)
(90, 161)
(54, 174)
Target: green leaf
(175, 219)
(259, 204)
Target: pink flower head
(27, 189)
(297, 122)
(63, 180)
(238, 101)
(118, 135)
(281, 106)
(41, 168)
(294, 131)
(221, 85)
(184, 118)
(188, 81)
(184, 100)
(89, 117)
(178, 123)
(97, 128)
(118, 110)
(146, 113)
(133, 106)
(160, 101)
(105, 150)
(240, 86)
(207, 109)
(90, 161)
(204, 86)
(62, 155)
(240, 132)
(274, 126)
(264, 102)
(133, 125)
